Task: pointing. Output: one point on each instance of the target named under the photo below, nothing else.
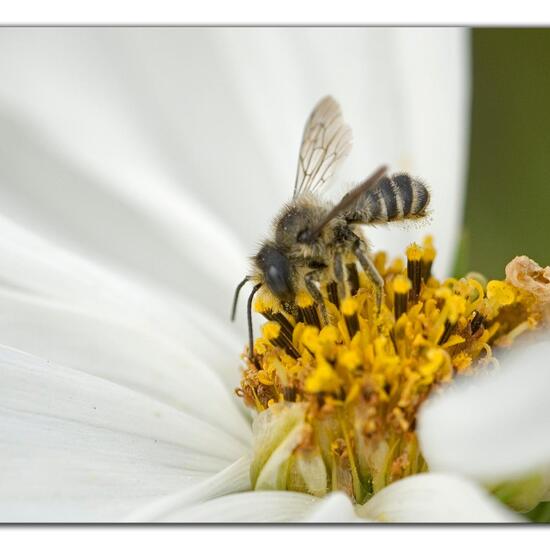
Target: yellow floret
(271, 330)
(349, 307)
(360, 379)
(349, 359)
(323, 379)
(304, 299)
(429, 250)
(310, 338)
(401, 284)
(501, 293)
(414, 252)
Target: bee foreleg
(360, 251)
(310, 279)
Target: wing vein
(326, 142)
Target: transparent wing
(325, 143)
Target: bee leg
(339, 274)
(361, 254)
(310, 279)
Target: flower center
(338, 403)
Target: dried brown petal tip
(525, 274)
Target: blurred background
(508, 192)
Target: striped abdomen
(398, 197)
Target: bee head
(276, 271)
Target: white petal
(435, 498)
(233, 479)
(277, 431)
(35, 386)
(249, 507)
(64, 308)
(122, 352)
(273, 470)
(30, 263)
(436, 128)
(75, 447)
(120, 201)
(334, 508)
(495, 427)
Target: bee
(314, 242)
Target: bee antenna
(249, 316)
(236, 297)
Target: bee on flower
(347, 356)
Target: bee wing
(325, 143)
(348, 202)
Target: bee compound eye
(276, 270)
(278, 280)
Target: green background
(508, 190)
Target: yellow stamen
(304, 299)
(271, 330)
(401, 288)
(500, 293)
(349, 307)
(414, 253)
(358, 381)
(401, 285)
(323, 379)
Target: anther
(272, 332)
(353, 278)
(349, 311)
(289, 393)
(286, 325)
(414, 270)
(427, 259)
(446, 332)
(307, 312)
(476, 322)
(332, 293)
(401, 289)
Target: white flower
(495, 430)
(138, 168)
